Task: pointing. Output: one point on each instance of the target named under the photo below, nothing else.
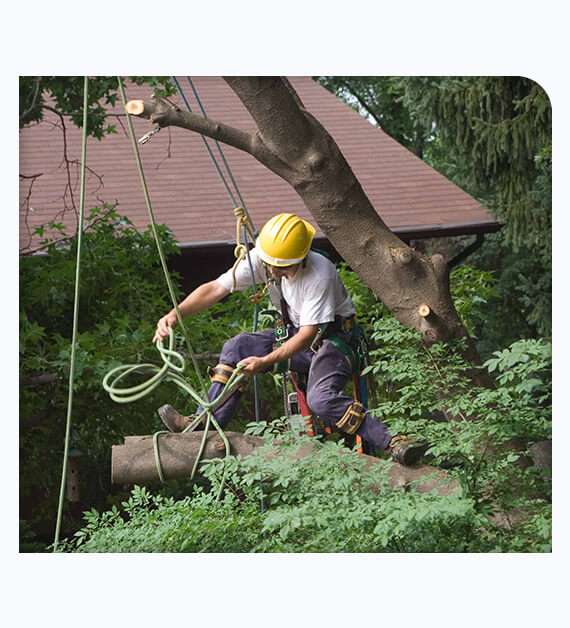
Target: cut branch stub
(135, 107)
(402, 255)
(424, 310)
(156, 110)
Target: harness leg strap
(221, 373)
(352, 419)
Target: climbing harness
(75, 316)
(354, 348)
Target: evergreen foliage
(501, 127)
(380, 99)
(492, 136)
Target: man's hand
(169, 320)
(300, 341)
(253, 365)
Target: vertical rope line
(156, 237)
(75, 318)
(220, 150)
(245, 231)
(256, 400)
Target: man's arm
(197, 301)
(300, 341)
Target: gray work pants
(328, 371)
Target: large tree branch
(164, 114)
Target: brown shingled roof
(189, 197)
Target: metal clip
(146, 137)
(317, 340)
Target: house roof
(187, 194)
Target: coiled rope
(171, 371)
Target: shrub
(322, 503)
(122, 295)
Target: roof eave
(407, 233)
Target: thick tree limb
(161, 112)
(133, 462)
(294, 145)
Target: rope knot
(244, 220)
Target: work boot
(173, 420)
(405, 450)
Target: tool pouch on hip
(221, 373)
(352, 419)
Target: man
(307, 286)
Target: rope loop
(243, 221)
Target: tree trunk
(134, 461)
(294, 145)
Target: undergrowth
(329, 501)
(326, 502)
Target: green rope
(157, 455)
(173, 365)
(156, 237)
(75, 318)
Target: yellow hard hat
(284, 240)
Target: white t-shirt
(314, 295)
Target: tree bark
(134, 461)
(292, 143)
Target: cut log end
(135, 107)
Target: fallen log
(134, 461)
